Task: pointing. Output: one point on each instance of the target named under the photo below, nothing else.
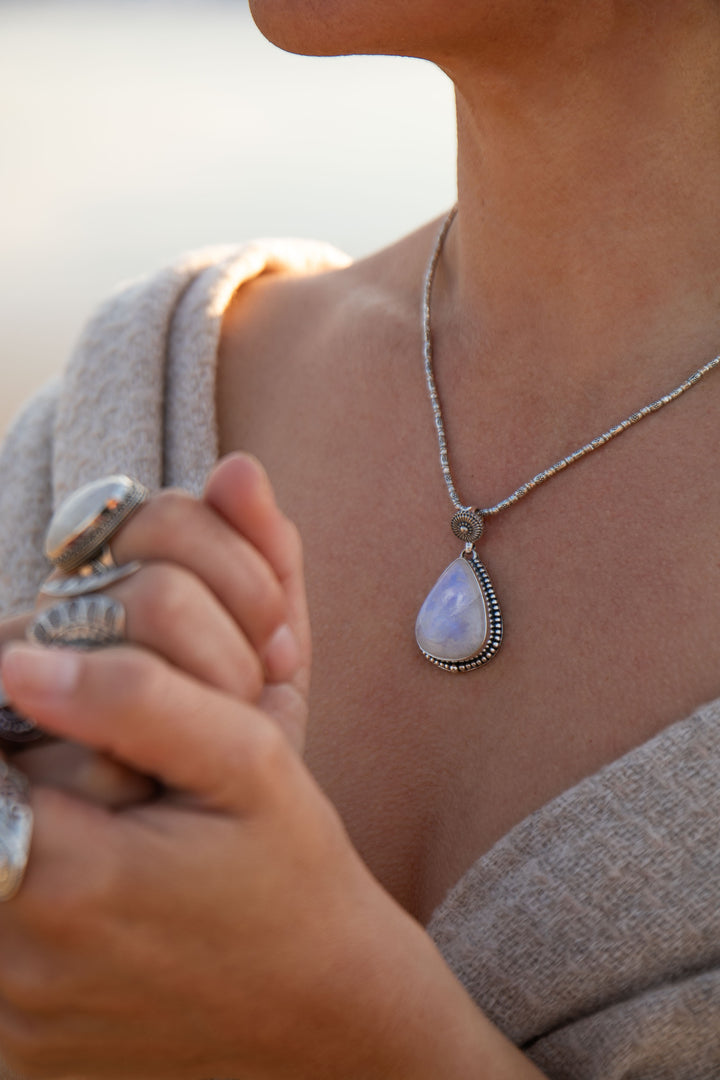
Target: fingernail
(40, 672)
(282, 654)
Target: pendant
(459, 627)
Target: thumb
(141, 711)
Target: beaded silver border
(494, 637)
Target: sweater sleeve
(26, 500)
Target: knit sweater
(590, 933)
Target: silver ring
(92, 577)
(15, 728)
(84, 523)
(86, 622)
(18, 729)
(16, 825)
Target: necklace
(460, 627)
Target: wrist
(413, 1019)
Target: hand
(206, 604)
(190, 550)
(229, 928)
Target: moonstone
(82, 508)
(452, 624)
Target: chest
(609, 580)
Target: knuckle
(115, 679)
(164, 597)
(144, 677)
(172, 503)
(267, 756)
(249, 677)
(167, 511)
(264, 595)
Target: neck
(589, 206)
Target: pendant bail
(468, 525)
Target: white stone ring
(84, 523)
(16, 825)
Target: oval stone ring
(83, 524)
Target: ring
(92, 577)
(86, 622)
(16, 824)
(84, 523)
(17, 729)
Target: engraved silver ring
(85, 622)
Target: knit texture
(590, 934)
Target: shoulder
(285, 326)
(321, 300)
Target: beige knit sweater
(591, 932)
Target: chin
(329, 27)
(297, 26)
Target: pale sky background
(132, 130)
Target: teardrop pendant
(459, 627)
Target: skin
(580, 281)
(265, 885)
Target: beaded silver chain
(558, 466)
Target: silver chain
(563, 463)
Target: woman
(550, 814)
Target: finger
(75, 769)
(238, 489)
(11, 629)
(83, 772)
(174, 527)
(171, 611)
(134, 707)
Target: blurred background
(131, 130)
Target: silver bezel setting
(494, 636)
(94, 578)
(118, 497)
